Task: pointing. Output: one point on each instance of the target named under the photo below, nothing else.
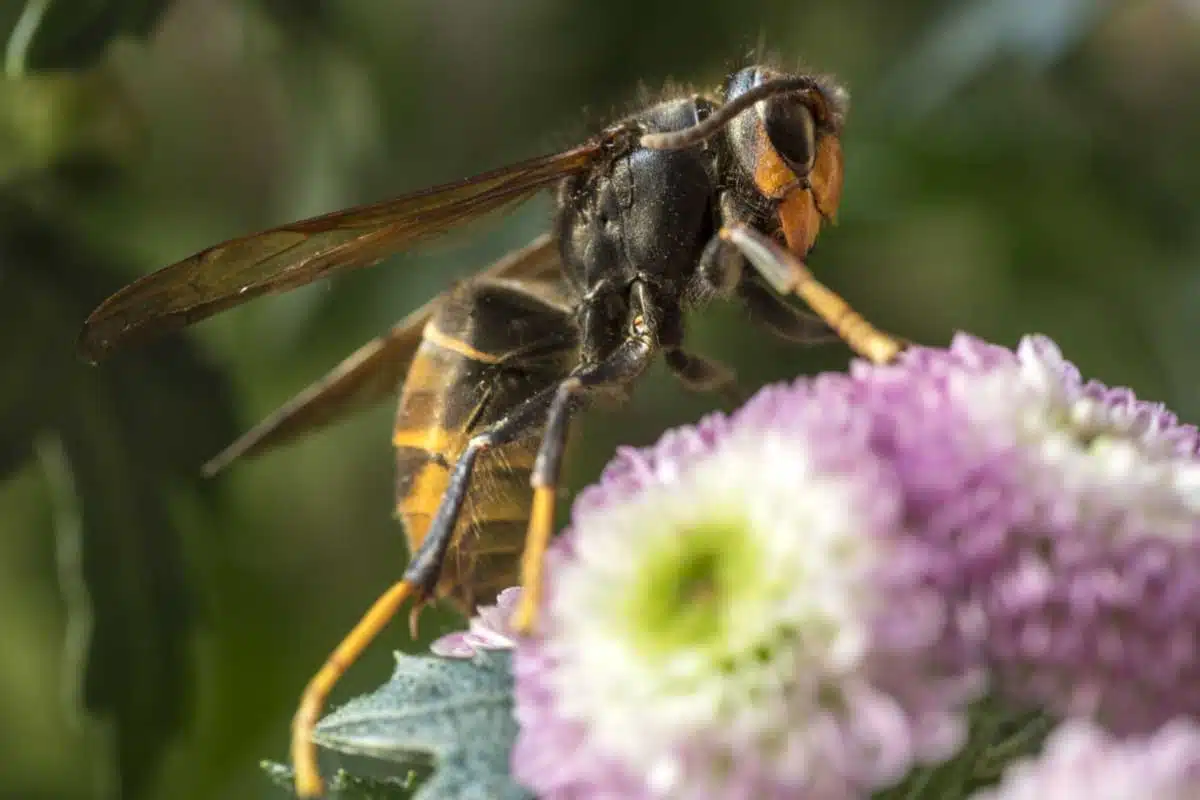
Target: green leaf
(458, 711)
(344, 786)
(72, 34)
(116, 443)
(998, 736)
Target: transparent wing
(290, 256)
(374, 371)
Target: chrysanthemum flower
(1080, 761)
(738, 612)
(1073, 513)
(800, 597)
(489, 629)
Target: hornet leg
(721, 272)
(774, 314)
(618, 369)
(418, 581)
(701, 374)
(787, 275)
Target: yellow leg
(787, 274)
(862, 337)
(304, 751)
(541, 524)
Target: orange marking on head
(800, 220)
(826, 176)
(772, 176)
(801, 211)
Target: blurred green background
(1013, 166)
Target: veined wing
(290, 256)
(373, 372)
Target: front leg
(775, 315)
(701, 374)
(737, 242)
(721, 272)
(617, 370)
(787, 275)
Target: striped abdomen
(491, 345)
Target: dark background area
(1013, 166)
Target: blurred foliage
(45, 34)
(1012, 166)
(47, 119)
(112, 447)
(997, 737)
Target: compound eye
(792, 132)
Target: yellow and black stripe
(491, 345)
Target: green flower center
(686, 591)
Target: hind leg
(451, 395)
